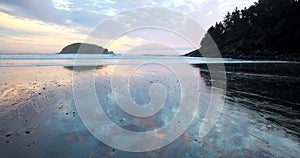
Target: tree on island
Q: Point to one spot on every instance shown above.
(269, 29)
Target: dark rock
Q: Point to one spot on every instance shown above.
(84, 48)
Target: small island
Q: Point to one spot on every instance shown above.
(84, 48)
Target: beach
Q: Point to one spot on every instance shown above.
(38, 116)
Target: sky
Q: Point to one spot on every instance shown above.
(46, 26)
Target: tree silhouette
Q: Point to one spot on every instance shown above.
(269, 29)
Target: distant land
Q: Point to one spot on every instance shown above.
(85, 48)
(267, 30)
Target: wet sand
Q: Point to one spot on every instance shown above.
(38, 116)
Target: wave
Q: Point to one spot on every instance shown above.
(19, 60)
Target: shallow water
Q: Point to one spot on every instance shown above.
(260, 116)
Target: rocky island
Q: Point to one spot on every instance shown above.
(84, 48)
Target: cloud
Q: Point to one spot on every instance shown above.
(125, 43)
(53, 23)
(35, 9)
(87, 13)
(62, 4)
(6, 8)
(28, 25)
(34, 35)
(63, 12)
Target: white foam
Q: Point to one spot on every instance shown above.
(17, 60)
